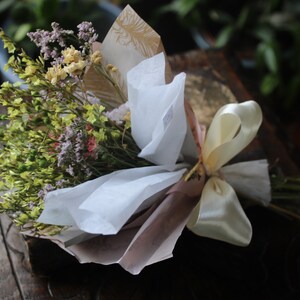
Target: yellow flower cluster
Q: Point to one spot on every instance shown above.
(74, 65)
(71, 55)
(55, 74)
(73, 61)
(111, 68)
(96, 57)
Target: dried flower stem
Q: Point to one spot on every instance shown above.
(102, 71)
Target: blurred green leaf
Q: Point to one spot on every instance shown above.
(263, 33)
(243, 17)
(260, 55)
(220, 17)
(267, 56)
(224, 36)
(269, 83)
(21, 32)
(185, 6)
(21, 12)
(5, 4)
(281, 19)
(271, 58)
(181, 7)
(47, 9)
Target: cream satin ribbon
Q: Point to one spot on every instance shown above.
(218, 214)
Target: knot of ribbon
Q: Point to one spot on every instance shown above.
(219, 214)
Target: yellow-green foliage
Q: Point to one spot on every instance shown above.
(40, 118)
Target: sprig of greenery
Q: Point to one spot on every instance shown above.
(285, 195)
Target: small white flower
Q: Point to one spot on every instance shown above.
(118, 114)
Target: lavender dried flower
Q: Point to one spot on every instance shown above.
(87, 34)
(48, 41)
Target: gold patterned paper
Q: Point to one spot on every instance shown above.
(129, 41)
(206, 96)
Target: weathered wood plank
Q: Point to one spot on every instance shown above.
(8, 284)
(30, 287)
(60, 285)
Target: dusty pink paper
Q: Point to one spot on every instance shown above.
(148, 239)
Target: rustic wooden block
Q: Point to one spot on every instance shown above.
(33, 268)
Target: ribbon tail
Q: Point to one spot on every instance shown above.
(219, 215)
(250, 180)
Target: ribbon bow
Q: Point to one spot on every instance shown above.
(218, 214)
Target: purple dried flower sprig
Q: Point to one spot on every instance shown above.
(51, 43)
(69, 55)
(86, 34)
